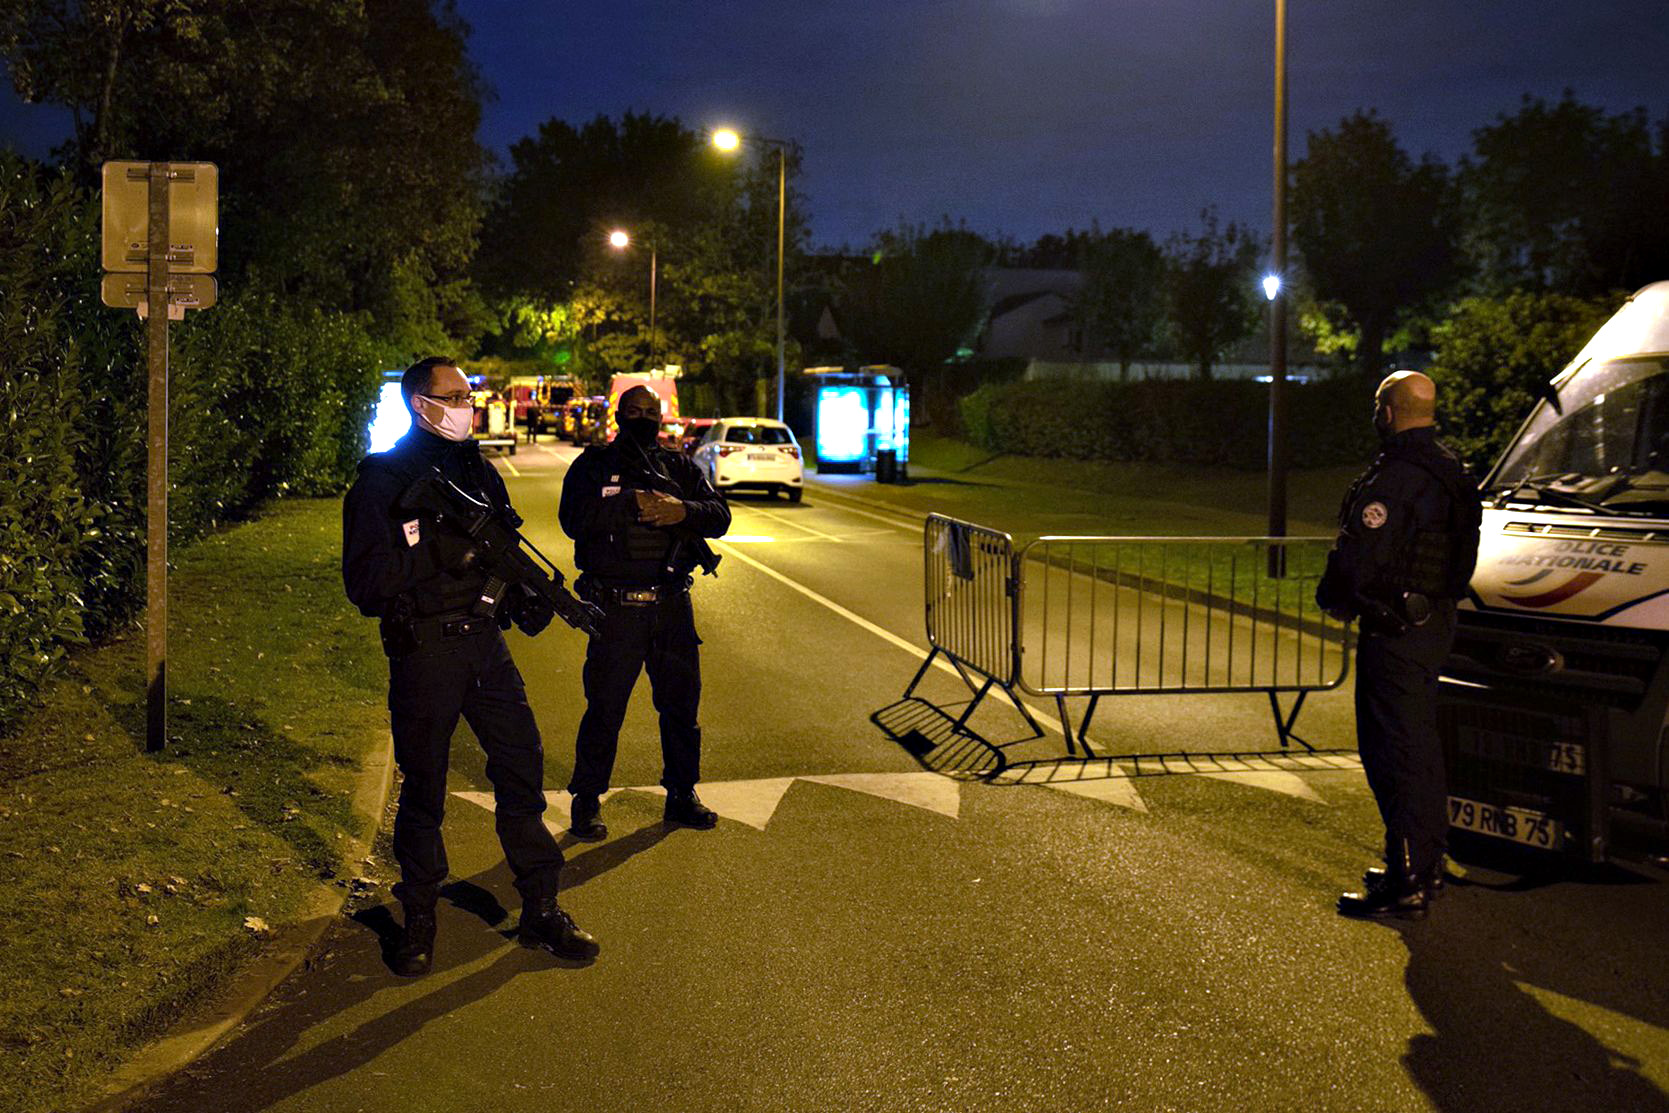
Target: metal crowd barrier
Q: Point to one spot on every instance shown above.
(1071, 617)
(1105, 616)
(973, 609)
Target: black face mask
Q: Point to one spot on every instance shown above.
(1380, 425)
(642, 430)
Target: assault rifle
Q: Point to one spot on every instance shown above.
(500, 550)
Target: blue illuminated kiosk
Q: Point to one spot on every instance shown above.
(863, 421)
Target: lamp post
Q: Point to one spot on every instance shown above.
(620, 240)
(1275, 289)
(728, 139)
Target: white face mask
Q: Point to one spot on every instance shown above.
(455, 423)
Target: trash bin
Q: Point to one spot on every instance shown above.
(886, 465)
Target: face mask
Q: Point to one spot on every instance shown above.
(1380, 424)
(455, 423)
(642, 430)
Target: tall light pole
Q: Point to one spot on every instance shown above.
(727, 139)
(1275, 289)
(620, 240)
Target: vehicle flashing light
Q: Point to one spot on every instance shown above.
(390, 420)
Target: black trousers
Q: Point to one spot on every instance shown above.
(427, 691)
(661, 638)
(1396, 732)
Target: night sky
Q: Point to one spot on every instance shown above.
(1028, 116)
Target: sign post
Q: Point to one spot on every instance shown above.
(151, 230)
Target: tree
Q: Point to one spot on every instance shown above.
(344, 131)
(1378, 232)
(1208, 283)
(920, 298)
(1493, 355)
(1122, 301)
(1566, 197)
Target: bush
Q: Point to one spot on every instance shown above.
(1492, 354)
(265, 399)
(1219, 423)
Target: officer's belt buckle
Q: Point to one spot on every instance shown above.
(641, 597)
(463, 627)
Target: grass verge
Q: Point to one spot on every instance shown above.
(132, 885)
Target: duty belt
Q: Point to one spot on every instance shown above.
(459, 625)
(634, 596)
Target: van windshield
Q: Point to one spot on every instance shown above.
(1610, 446)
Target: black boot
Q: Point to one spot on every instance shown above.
(584, 822)
(415, 952)
(1402, 895)
(685, 808)
(544, 924)
(1435, 878)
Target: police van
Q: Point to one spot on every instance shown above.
(1554, 706)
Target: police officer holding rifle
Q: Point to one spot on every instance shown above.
(640, 517)
(1408, 540)
(430, 549)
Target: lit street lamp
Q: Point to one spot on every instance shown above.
(620, 241)
(728, 139)
(1274, 291)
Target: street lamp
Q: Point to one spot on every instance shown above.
(728, 139)
(1274, 290)
(620, 240)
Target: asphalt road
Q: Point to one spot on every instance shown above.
(866, 930)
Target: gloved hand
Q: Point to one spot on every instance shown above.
(531, 612)
(454, 553)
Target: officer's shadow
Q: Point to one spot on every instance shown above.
(251, 1072)
(1494, 1045)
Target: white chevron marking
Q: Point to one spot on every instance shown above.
(750, 802)
(931, 791)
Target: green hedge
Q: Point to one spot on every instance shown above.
(265, 398)
(1221, 423)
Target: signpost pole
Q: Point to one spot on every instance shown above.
(1278, 432)
(156, 471)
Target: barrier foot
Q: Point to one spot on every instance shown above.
(968, 711)
(1025, 713)
(920, 673)
(1077, 738)
(1284, 723)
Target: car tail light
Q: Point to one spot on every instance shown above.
(792, 450)
(727, 449)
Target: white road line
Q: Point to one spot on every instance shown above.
(839, 503)
(857, 619)
(505, 460)
(791, 522)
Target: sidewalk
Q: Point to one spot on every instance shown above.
(152, 894)
(1029, 497)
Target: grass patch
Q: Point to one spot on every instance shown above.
(1127, 498)
(126, 878)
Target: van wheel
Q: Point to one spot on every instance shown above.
(794, 493)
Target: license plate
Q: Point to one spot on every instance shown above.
(1518, 825)
(765, 456)
(1567, 757)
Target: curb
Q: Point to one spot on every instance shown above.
(839, 495)
(207, 1025)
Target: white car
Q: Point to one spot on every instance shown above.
(752, 453)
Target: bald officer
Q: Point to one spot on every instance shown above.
(1408, 540)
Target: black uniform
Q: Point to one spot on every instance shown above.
(1408, 540)
(445, 659)
(640, 576)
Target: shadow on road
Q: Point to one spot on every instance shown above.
(1495, 1045)
(256, 1070)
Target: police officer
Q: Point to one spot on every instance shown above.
(1408, 540)
(446, 658)
(640, 516)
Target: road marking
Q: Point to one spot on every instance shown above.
(906, 524)
(754, 802)
(505, 460)
(932, 791)
(796, 525)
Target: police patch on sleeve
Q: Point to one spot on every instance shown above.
(1374, 515)
(413, 532)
